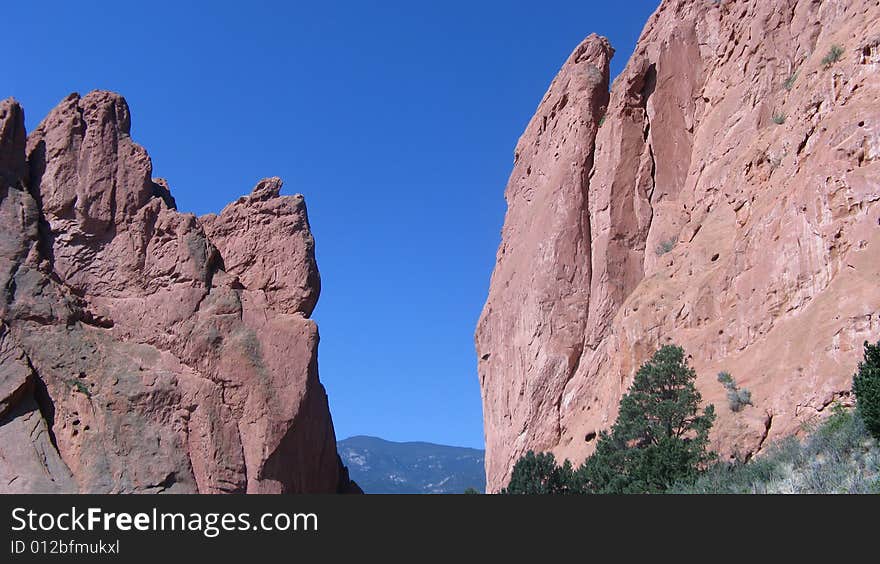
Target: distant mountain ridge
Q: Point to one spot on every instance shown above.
(380, 466)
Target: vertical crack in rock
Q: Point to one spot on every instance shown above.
(768, 423)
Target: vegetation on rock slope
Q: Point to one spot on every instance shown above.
(659, 442)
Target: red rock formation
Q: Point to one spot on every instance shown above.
(143, 349)
(726, 200)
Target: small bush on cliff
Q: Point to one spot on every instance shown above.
(737, 398)
(79, 387)
(539, 474)
(660, 437)
(866, 388)
(789, 82)
(664, 247)
(834, 54)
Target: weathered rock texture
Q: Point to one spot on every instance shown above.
(725, 197)
(143, 349)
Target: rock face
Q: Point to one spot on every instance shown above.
(143, 349)
(725, 197)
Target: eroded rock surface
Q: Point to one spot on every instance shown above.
(143, 349)
(723, 197)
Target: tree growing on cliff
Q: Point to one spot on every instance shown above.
(866, 388)
(737, 398)
(539, 474)
(660, 437)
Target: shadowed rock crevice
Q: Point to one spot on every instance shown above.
(44, 404)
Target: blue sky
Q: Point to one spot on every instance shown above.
(396, 119)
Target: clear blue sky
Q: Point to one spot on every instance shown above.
(396, 119)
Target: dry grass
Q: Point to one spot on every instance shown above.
(839, 456)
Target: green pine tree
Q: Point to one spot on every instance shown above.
(866, 388)
(660, 437)
(538, 474)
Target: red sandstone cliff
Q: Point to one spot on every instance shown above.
(143, 349)
(725, 196)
